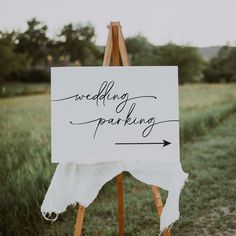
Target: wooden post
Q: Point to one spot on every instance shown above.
(116, 48)
(159, 205)
(115, 44)
(119, 179)
(79, 221)
(108, 49)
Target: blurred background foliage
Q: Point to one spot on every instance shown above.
(27, 56)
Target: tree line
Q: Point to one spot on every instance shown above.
(27, 56)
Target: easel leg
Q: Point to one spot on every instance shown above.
(159, 205)
(116, 62)
(120, 203)
(79, 221)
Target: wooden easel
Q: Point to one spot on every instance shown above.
(116, 48)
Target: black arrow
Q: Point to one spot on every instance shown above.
(165, 143)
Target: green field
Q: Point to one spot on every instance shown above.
(208, 154)
(19, 89)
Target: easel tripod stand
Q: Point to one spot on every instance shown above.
(116, 49)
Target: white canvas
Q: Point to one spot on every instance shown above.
(96, 96)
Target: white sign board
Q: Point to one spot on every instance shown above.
(106, 114)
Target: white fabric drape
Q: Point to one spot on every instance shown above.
(74, 183)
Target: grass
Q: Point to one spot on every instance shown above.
(203, 106)
(19, 89)
(207, 201)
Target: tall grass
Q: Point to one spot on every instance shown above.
(19, 89)
(25, 151)
(204, 106)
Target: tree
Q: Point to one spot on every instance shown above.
(11, 63)
(190, 63)
(77, 43)
(187, 58)
(222, 68)
(140, 50)
(33, 42)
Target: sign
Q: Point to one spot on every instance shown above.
(106, 114)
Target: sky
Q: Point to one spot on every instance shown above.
(196, 22)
